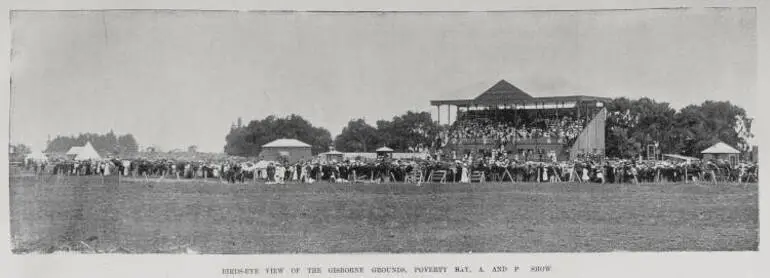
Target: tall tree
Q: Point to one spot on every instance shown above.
(408, 130)
(358, 136)
(248, 140)
(633, 124)
(699, 126)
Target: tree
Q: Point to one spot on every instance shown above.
(697, 127)
(20, 149)
(632, 125)
(408, 130)
(358, 136)
(18, 152)
(105, 144)
(248, 140)
(192, 149)
(127, 144)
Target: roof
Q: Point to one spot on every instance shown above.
(384, 149)
(720, 147)
(504, 93)
(682, 157)
(284, 142)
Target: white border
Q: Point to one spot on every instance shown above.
(703, 264)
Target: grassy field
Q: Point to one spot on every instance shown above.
(210, 217)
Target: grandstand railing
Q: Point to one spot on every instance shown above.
(497, 142)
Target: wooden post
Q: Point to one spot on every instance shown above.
(685, 175)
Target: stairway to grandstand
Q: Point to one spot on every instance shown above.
(416, 176)
(438, 176)
(477, 176)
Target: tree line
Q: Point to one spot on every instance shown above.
(632, 125)
(104, 144)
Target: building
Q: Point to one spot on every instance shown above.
(721, 151)
(505, 99)
(331, 155)
(286, 150)
(384, 152)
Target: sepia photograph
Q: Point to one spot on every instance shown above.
(319, 132)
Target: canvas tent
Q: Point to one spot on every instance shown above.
(74, 150)
(289, 150)
(86, 152)
(36, 156)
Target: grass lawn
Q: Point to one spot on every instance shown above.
(216, 218)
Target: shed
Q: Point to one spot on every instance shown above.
(286, 150)
(721, 151)
(331, 155)
(384, 152)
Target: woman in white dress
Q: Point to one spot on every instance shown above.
(464, 176)
(584, 178)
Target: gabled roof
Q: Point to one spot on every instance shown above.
(384, 149)
(720, 147)
(503, 91)
(285, 142)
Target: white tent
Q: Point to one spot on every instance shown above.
(284, 142)
(74, 150)
(87, 152)
(262, 164)
(37, 156)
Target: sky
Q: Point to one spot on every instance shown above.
(180, 78)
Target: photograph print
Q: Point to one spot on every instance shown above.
(260, 132)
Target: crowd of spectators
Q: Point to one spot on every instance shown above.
(474, 128)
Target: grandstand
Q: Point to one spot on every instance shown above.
(504, 120)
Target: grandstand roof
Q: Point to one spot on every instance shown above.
(720, 147)
(504, 93)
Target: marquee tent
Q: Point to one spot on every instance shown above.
(87, 152)
(37, 156)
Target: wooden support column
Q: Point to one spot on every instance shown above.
(448, 114)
